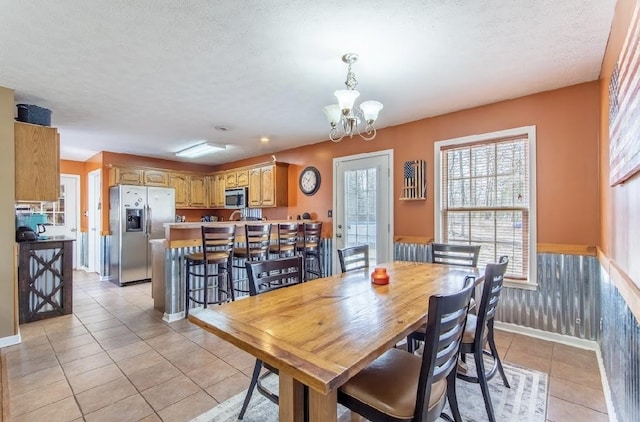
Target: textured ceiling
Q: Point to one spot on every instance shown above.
(150, 77)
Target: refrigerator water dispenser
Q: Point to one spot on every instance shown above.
(134, 220)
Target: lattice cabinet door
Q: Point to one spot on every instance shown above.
(45, 279)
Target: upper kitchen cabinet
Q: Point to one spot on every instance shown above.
(37, 152)
(216, 190)
(138, 176)
(155, 177)
(126, 176)
(268, 186)
(230, 180)
(242, 178)
(180, 182)
(198, 196)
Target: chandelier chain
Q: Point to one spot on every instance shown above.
(351, 81)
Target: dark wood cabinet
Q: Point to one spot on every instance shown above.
(45, 279)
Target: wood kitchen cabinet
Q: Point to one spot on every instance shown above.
(216, 190)
(37, 157)
(138, 176)
(153, 177)
(126, 176)
(198, 195)
(230, 180)
(242, 178)
(180, 182)
(268, 186)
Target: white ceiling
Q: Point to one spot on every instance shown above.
(150, 77)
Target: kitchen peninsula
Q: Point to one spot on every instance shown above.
(168, 270)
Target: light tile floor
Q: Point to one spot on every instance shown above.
(115, 359)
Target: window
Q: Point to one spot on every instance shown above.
(485, 196)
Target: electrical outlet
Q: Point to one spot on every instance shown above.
(330, 213)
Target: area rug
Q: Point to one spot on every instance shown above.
(525, 401)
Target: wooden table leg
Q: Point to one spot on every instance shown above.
(291, 407)
(323, 408)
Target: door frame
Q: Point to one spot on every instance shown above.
(77, 249)
(388, 153)
(94, 200)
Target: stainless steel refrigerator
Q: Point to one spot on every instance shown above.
(137, 215)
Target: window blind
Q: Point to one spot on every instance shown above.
(485, 200)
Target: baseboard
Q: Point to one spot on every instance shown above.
(10, 340)
(4, 390)
(545, 335)
(173, 317)
(569, 341)
(605, 388)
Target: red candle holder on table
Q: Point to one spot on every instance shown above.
(380, 276)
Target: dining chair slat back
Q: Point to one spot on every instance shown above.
(450, 254)
(353, 258)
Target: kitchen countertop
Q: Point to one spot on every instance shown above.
(198, 224)
(44, 239)
(181, 235)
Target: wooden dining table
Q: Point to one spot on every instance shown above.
(321, 333)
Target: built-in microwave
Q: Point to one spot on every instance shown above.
(235, 198)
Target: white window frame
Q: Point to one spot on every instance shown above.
(530, 132)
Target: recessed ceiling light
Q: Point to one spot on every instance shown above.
(222, 128)
(264, 139)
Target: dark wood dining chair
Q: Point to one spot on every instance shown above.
(257, 239)
(450, 254)
(479, 331)
(447, 254)
(400, 386)
(353, 258)
(287, 240)
(309, 247)
(217, 250)
(265, 276)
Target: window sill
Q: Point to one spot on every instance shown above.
(520, 285)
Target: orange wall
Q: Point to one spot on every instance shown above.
(619, 205)
(567, 122)
(567, 156)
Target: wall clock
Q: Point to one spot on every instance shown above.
(309, 180)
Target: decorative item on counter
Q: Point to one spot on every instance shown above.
(380, 276)
(208, 218)
(306, 216)
(181, 218)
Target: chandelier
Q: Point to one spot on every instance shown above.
(346, 118)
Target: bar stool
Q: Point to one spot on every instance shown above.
(309, 246)
(256, 247)
(287, 240)
(217, 249)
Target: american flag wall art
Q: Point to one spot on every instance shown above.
(414, 182)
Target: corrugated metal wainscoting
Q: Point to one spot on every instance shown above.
(620, 347)
(566, 301)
